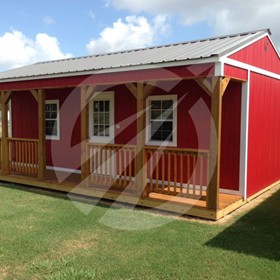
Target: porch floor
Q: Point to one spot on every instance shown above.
(71, 182)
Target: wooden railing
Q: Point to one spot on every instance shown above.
(112, 165)
(172, 171)
(23, 156)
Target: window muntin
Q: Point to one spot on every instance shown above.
(52, 119)
(162, 120)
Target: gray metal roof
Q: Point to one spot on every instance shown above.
(147, 57)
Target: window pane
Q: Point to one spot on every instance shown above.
(167, 126)
(101, 130)
(53, 115)
(156, 125)
(155, 114)
(48, 115)
(95, 130)
(107, 118)
(101, 118)
(167, 104)
(167, 136)
(51, 128)
(95, 106)
(107, 130)
(156, 104)
(95, 118)
(167, 115)
(155, 135)
(107, 106)
(101, 106)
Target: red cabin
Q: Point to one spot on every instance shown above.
(192, 128)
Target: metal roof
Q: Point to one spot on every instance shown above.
(145, 58)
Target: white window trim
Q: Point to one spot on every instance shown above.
(108, 95)
(49, 137)
(148, 124)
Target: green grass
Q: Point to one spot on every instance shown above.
(48, 237)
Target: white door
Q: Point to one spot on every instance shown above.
(102, 132)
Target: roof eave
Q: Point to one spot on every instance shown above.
(210, 59)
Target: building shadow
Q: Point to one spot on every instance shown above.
(257, 233)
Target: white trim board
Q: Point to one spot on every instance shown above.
(251, 68)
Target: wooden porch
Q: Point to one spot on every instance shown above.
(176, 179)
(184, 181)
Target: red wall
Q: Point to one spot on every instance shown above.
(24, 115)
(235, 72)
(66, 151)
(230, 143)
(60, 153)
(264, 133)
(193, 123)
(256, 55)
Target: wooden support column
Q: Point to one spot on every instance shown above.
(86, 93)
(5, 97)
(219, 85)
(141, 176)
(42, 134)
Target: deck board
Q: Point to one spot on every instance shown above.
(67, 182)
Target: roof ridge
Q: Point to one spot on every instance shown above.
(156, 47)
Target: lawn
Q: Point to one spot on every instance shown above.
(45, 236)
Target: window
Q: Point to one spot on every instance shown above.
(52, 119)
(101, 118)
(162, 120)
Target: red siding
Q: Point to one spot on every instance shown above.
(193, 123)
(264, 133)
(235, 72)
(230, 145)
(24, 115)
(66, 151)
(260, 54)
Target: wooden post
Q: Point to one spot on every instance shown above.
(42, 134)
(141, 177)
(215, 144)
(85, 163)
(5, 97)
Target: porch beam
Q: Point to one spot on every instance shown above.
(215, 144)
(132, 88)
(85, 163)
(34, 92)
(42, 134)
(5, 132)
(89, 92)
(141, 176)
(149, 88)
(225, 83)
(208, 85)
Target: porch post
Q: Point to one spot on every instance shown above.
(140, 167)
(85, 163)
(5, 97)
(42, 134)
(215, 144)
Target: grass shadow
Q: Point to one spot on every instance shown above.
(257, 233)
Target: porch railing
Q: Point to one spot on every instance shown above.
(172, 171)
(23, 156)
(112, 165)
